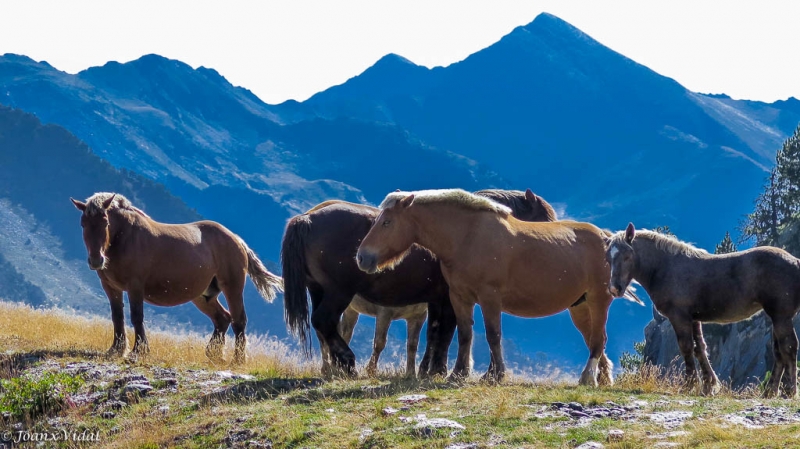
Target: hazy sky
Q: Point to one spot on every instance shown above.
(293, 49)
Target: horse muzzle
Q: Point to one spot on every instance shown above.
(96, 263)
(367, 262)
(615, 291)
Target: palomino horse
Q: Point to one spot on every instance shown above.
(690, 286)
(167, 265)
(490, 258)
(318, 255)
(414, 315)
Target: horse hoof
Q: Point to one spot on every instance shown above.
(115, 352)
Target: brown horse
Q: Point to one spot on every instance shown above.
(167, 265)
(690, 286)
(490, 258)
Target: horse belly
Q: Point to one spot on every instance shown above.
(177, 287)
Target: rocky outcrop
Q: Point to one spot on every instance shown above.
(740, 353)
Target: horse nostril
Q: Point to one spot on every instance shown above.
(360, 258)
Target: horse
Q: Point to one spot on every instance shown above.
(488, 257)
(318, 256)
(414, 315)
(168, 265)
(689, 286)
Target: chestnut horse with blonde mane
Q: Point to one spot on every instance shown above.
(168, 265)
(488, 257)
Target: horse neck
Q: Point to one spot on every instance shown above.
(650, 261)
(120, 223)
(442, 228)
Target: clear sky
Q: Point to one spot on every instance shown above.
(293, 49)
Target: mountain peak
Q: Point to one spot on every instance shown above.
(547, 25)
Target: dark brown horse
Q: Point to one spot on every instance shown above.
(690, 286)
(318, 255)
(167, 265)
(490, 258)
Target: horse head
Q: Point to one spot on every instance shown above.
(390, 238)
(96, 236)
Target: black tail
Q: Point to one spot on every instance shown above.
(295, 298)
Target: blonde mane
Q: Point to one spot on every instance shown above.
(668, 243)
(94, 204)
(457, 197)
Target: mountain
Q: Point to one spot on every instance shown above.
(550, 108)
(605, 139)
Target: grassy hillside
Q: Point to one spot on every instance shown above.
(55, 378)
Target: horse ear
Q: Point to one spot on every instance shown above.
(107, 203)
(397, 190)
(81, 206)
(630, 233)
(407, 201)
(530, 196)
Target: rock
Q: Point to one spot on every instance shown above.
(164, 409)
(462, 446)
(428, 426)
(108, 414)
(113, 405)
(575, 406)
(412, 398)
(558, 405)
(137, 389)
(615, 435)
(131, 378)
(740, 353)
(577, 414)
(670, 419)
(238, 436)
(590, 445)
(388, 411)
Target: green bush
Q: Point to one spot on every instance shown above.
(30, 397)
(632, 362)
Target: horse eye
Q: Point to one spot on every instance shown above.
(386, 223)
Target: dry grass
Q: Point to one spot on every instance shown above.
(652, 379)
(24, 329)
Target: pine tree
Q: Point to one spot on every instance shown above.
(726, 245)
(787, 162)
(770, 213)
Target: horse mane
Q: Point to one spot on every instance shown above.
(456, 197)
(94, 204)
(515, 199)
(668, 243)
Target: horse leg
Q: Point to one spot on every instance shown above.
(382, 323)
(136, 299)
(414, 327)
(598, 303)
(464, 311)
(348, 323)
(232, 287)
(325, 351)
(325, 320)
(710, 381)
(491, 311)
(441, 328)
(786, 339)
(684, 333)
(221, 319)
(582, 319)
(120, 344)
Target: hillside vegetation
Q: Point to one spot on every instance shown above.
(56, 378)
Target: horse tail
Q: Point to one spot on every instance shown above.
(293, 260)
(267, 284)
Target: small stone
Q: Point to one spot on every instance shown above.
(163, 409)
(108, 414)
(462, 446)
(426, 427)
(575, 406)
(590, 445)
(412, 398)
(577, 414)
(558, 405)
(137, 388)
(615, 435)
(329, 410)
(388, 411)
